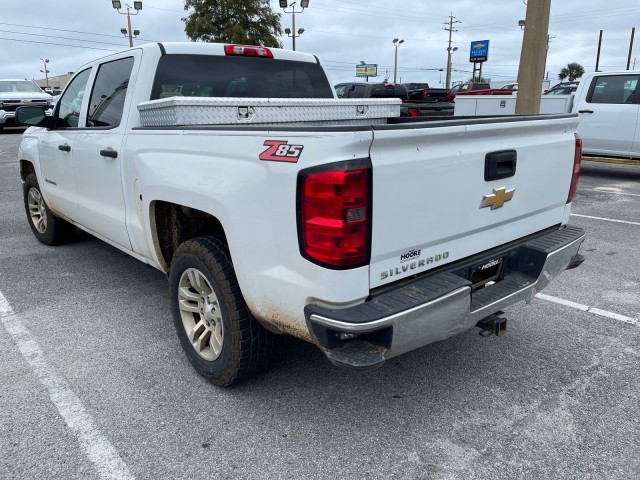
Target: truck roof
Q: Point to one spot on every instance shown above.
(203, 48)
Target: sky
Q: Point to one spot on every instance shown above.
(341, 32)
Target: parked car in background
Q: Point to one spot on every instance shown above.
(466, 87)
(566, 89)
(409, 108)
(512, 87)
(422, 92)
(17, 92)
(608, 104)
(478, 89)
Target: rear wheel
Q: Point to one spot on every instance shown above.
(221, 339)
(47, 228)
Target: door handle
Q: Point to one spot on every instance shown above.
(585, 111)
(64, 148)
(109, 152)
(501, 164)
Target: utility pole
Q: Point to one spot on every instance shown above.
(448, 26)
(546, 54)
(598, 54)
(633, 32)
(532, 57)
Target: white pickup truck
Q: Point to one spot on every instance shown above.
(608, 105)
(16, 92)
(274, 207)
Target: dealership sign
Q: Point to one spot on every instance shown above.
(479, 51)
(365, 70)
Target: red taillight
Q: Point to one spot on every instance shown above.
(248, 51)
(334, 217)
(425, 93)
(412, 112)
(576, 170)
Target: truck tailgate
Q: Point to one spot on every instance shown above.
(429, 187)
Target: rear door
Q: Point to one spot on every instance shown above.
(609, 114)
(436, 198)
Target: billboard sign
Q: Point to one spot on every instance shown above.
(479, 51)
(367, 70)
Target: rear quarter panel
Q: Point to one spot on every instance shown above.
(218, 171)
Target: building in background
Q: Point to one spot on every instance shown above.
(55, 83)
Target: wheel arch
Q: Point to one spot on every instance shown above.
(26, 168)
(173, 224)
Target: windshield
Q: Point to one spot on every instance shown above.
(9, 86)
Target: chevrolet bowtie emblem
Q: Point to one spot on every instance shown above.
(497, 198)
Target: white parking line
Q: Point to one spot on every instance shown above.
(94, 444)
(606, 219)
(615, 191)
(586, 308)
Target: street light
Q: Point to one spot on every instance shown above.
(396, 43)
(137, 6)
(291, 32)
(125, 32)
(449, 50)
(45, 71)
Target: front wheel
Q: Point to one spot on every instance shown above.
(46, 227)
(221, 339)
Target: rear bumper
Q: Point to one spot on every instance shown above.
(436, 306)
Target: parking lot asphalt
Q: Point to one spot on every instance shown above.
(93, 382)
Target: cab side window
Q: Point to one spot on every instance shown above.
(109, 91)
(613, 89)
(68, 111)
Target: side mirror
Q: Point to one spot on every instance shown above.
(32, 117)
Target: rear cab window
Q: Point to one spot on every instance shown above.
(183, 75)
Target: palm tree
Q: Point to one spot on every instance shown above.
(571, 71)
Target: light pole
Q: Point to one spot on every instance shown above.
(291, 32)
(45, 71)
(449, 50)
(396, 43)
(137, 6)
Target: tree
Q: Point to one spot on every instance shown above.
(571, 71)
(479, 80)
(248, 22)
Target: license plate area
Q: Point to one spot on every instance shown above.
(486, 274)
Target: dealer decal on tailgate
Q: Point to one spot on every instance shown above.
(281, 151)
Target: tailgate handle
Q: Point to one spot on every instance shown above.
(500, 164)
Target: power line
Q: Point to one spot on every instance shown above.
(61, 38)
(60, 44)
(58, 29)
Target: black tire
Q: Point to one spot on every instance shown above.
(46, 227)
(246, 347)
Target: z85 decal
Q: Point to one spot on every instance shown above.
(281, 151)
